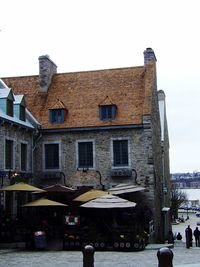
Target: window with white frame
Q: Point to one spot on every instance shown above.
(85, 153)
(120, 152)
(9, 154)
(51, 159)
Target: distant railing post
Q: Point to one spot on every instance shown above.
(165, 257)
(88, 256)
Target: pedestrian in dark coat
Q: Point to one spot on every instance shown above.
(196, 236)
(188, 236)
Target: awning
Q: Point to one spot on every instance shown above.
(21, 187)
(43, 202)
(109, 202)
(125, 188)
(92, 194)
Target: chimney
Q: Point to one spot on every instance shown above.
(149, 56)
(161, 95)
(47, 68)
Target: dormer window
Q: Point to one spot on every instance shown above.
(57, 115)
(57, 112)
(9, 108)
(22, 113)
(107, 112)
(20, 107)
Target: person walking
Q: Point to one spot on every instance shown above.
(196, 234)
(188, 236)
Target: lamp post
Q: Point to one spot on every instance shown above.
(187, 212)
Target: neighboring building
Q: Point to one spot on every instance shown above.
(166, 181)
(186, 180)
(17, 129)
(102, 129)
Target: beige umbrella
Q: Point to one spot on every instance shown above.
(125, 188)
(43, 202)
(92, 194)
(109, 202)
(21, 187)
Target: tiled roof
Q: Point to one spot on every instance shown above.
(58, 105)
(130, 89)
(107, 101)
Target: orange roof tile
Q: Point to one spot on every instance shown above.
(106, 102)
(58, 105)
(130, 89)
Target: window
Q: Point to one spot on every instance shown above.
(120, 152)
(9, 110)
(51, 156)
(9, 154)
(22, 113)
(107, 112)
(57, 115)
(23, 157)
(85, 154)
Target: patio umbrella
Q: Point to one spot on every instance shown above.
(58, 188)
(92, 194)
(43, 202)
(125, 188)
(21, 187)
(109, 202)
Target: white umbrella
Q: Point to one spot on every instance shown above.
(109, 202)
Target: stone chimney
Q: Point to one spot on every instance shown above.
(47, 68)
(161, 95)
(149, 56)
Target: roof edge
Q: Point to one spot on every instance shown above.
(100, 128)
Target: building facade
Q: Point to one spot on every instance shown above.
(101, 129)
(17, 130)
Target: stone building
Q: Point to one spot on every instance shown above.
(17, 130)
(102, 129)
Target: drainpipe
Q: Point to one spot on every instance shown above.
(100, 181)
(62, 173)
(33, 149)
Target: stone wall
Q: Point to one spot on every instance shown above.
(18, 135)
(139, 142)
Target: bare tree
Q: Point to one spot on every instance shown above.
(178, 197)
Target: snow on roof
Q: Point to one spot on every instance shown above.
(2, 85)
(4, 92)
(18, 99)
(14, 119)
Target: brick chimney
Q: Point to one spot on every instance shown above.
(149, 56)
(47, 68)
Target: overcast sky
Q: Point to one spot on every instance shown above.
(81, 35)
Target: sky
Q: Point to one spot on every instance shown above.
(82, 35)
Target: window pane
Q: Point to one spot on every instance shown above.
(9, 154)
(85, 150)
(120, 152)
(57, 115)
(23, 157)
(22, 115)
(9, 107)
(107, 112)
(51, 156)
